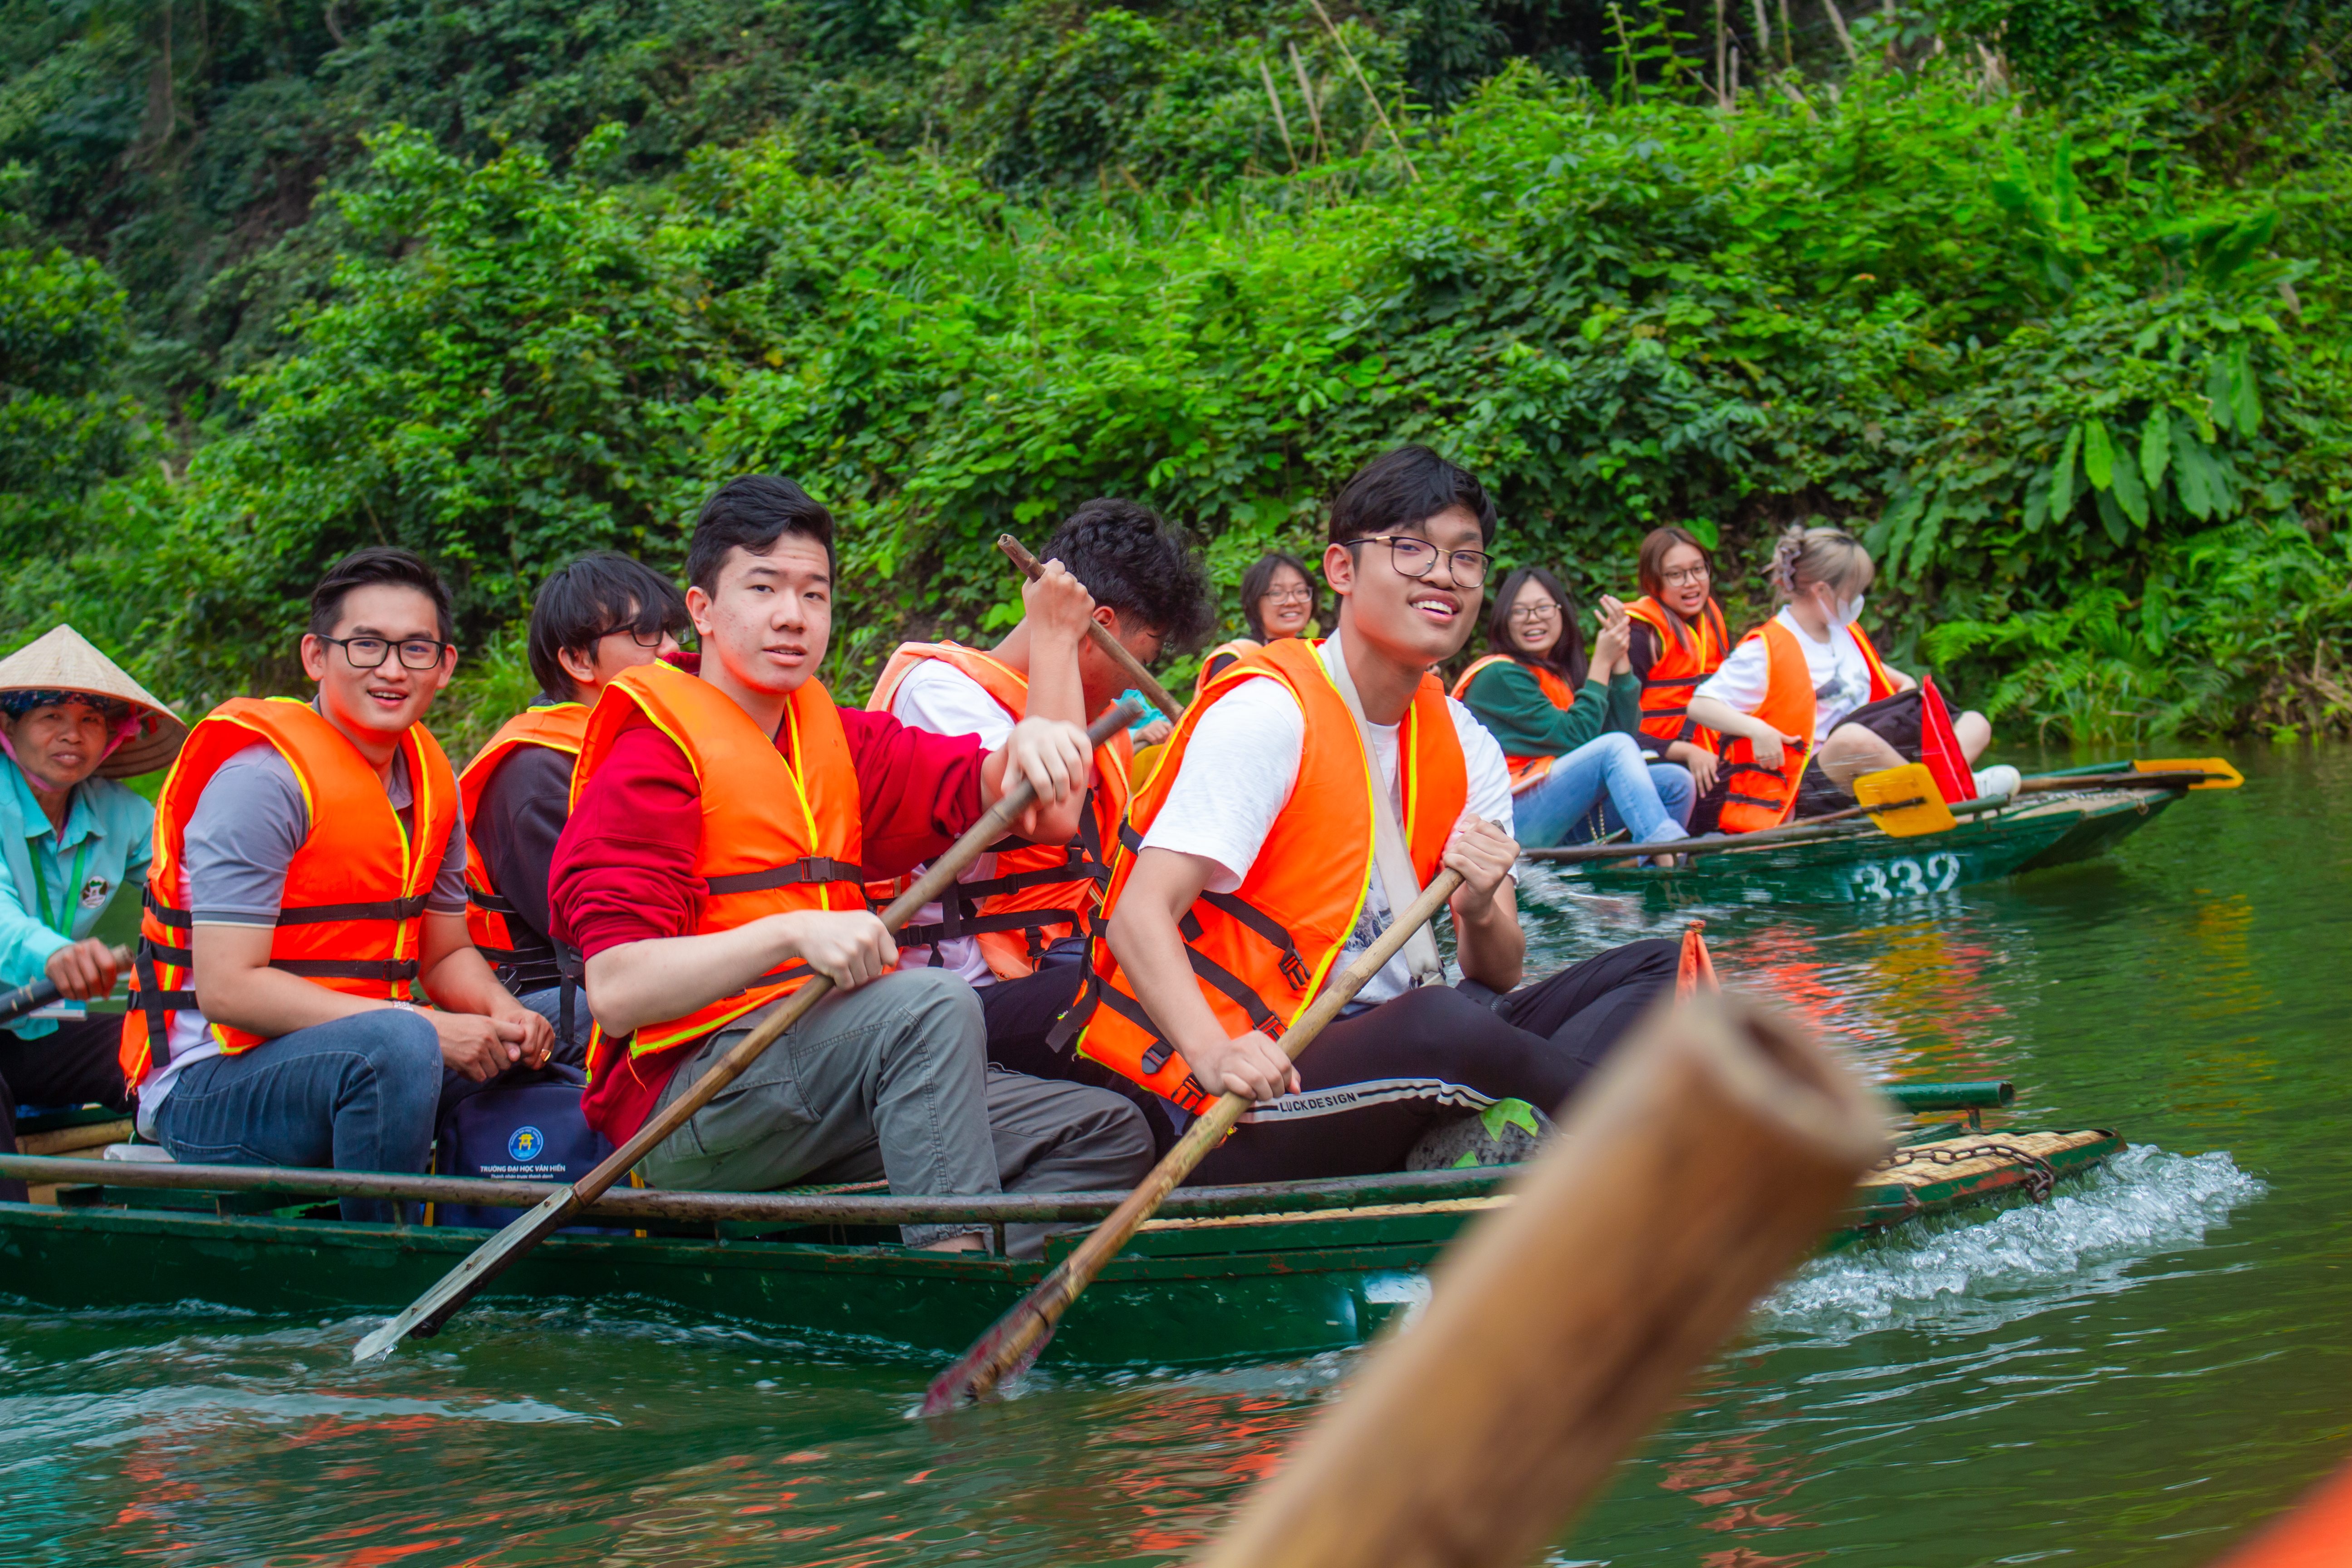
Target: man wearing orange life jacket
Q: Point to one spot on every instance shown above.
(1018, 926)
(310, 864)
(597, 616)
(1805, 705)
(1679, 640)
(723, 823)
(1299, 797)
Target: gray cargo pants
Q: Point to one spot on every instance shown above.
(891, 1080)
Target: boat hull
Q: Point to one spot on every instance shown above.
(1865, 866)
(1214, 1290)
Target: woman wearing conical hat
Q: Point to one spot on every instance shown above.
(71, 840)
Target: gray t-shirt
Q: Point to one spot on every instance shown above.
(239, 843)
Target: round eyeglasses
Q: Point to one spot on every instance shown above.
(1418, 558)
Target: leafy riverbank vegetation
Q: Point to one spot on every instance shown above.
(2047, 299)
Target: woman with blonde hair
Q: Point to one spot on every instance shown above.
(1804, 704)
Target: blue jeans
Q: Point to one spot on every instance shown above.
(1605, 773)
(358, 1094)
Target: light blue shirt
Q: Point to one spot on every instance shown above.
(57, 885)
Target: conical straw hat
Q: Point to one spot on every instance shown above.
(62, 660)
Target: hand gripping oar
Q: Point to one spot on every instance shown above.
(15, 1004)
(1013, 1341)
(424, 1316)
(1132, 667)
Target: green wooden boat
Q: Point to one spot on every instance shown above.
(1227, 1275)
(1855, 862)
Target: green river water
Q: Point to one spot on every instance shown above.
(2131, 1374)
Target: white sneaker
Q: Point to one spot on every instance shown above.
(2000, 782)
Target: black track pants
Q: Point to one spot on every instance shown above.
(1372, 1084)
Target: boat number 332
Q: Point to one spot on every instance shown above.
(1905, 878)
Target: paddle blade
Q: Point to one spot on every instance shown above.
(1010, 1347)
(1904, 802)
(2230, 778)
(424, 1316)
(1697, 973)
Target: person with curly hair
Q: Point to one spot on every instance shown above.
(1017, 925)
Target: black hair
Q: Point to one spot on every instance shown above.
(1259, 578)
(1566, 658)
(1128, 559)
(590, 596)
(365, 569)
(1405, 489)
(751, 514)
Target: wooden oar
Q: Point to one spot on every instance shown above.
(1703, 1161)
(1014, 1340)
(15, 1004)
(2170, 778)
(1130, 666)
(424, 1316)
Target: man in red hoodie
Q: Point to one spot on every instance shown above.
(722, 825)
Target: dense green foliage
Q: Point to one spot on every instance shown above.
(2048, 300)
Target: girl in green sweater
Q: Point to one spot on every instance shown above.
(1570, 728)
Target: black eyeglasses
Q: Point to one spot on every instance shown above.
(643, 639)
(369, 653)
(1418, 558)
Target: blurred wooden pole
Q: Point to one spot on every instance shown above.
(1703, 1161)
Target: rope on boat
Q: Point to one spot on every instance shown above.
(2042, 1178)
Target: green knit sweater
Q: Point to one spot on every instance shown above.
(1507, 699)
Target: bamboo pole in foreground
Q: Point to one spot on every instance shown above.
(1702, 1162)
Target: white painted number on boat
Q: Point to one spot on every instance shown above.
(1905, 877)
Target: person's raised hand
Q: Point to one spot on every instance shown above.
(848, 947)
(1703, 763)
(1484, 854)
(479, 1048)
(1249, 1065)
(1051, 755)
(1611, 649)
(1152, 735)
(1057, 606)
(83, 971)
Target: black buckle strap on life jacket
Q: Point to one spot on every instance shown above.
(178, 920)
(489, 903)
(807, 869)
(1294, 967)
(391, 970)
(1156, 1055)
(150, 999)
(571, 969)
(407, 909)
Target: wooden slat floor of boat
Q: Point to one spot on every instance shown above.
(1924, 1172)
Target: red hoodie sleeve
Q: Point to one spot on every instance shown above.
(624, 868)
(919, 791)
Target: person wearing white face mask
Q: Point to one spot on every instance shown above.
(1805, 705)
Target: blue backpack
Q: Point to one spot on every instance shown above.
(519, 1126)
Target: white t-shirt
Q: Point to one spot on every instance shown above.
(1840, 675)
(1239, 771)
(937, 696)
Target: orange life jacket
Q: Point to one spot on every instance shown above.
(1040, 893)
(353, 915)
(1239, 647)
(777, 836)
(1525, 772)
(1757, 797)
(1263, 951)
(1688, 654)
(558, 727)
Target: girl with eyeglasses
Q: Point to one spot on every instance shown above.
(1569, 727)
(1278, 601)
(1679, 640)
